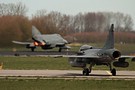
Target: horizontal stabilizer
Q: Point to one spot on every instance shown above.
(127, 56)
(23, 43)
(81, 56)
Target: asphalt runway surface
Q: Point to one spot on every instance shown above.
(36, 53)
(96, 74)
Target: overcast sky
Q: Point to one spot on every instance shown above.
(73, 7)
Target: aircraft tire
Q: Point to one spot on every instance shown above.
(113, 72)
(86, 72)
(32, 49)
(60, 49)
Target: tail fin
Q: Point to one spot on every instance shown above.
(35, 31)
(110, 39)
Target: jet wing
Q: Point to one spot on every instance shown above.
(87, 56)
(81, 56)
(127, 56)
(23, 43)
(61, 43)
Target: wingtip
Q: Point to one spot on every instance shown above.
(13, 41)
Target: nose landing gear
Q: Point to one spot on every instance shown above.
(86, 72)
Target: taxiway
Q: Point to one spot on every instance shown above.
(96, 74)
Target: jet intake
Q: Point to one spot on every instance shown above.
(116, 54)
(120, 64)
(85, 47)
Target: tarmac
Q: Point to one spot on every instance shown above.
(96, 74)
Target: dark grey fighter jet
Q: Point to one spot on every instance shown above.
(103, 56)
(47, 41)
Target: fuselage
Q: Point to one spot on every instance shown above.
(94, 56)
(50, 40)
(96, 52)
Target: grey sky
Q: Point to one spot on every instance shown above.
(75, 6)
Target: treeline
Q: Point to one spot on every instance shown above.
(16, 25)
(96, 37)
(87, 22)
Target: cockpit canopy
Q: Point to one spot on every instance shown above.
(85, 47)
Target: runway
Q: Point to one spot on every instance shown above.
(96, 74)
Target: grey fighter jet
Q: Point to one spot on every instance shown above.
(99, 56)
(47, 41)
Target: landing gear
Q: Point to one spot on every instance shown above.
(32, 49)
(86, 72)
(60, 49)
(113, 71)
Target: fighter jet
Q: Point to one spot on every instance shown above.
(47, 41)
(107, 55)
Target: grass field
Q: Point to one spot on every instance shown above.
(62, 84)
(124, 48)
(28, 63)
(34, 63)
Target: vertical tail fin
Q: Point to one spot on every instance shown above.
(35, 31)
(110, 39)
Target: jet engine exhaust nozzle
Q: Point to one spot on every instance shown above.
(116, 54)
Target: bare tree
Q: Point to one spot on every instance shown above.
(13, 9)
(128, 22)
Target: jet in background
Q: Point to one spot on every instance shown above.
(47, 41)
(99, 56)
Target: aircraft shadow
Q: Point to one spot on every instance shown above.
(73, 74)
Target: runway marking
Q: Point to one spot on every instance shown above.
(109, 72)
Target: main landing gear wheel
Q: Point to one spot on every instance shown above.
(32, 49)
(113, 71)
(86, 72)
(60, 49)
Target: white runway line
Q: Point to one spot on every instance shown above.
(109, 72)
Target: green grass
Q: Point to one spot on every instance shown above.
(61, 84)
(124, 48)
(36, 63)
